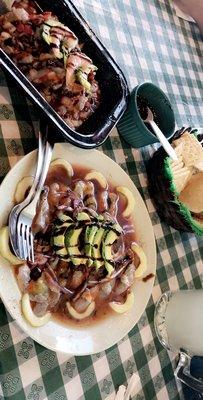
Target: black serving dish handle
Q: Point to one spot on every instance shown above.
(114, 88)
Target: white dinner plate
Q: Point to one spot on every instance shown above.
(99, 336)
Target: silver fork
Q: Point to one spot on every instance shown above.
(25, 238)
(13, 217)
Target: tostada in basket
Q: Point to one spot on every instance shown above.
(176, 187)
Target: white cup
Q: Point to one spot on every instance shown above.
(179, 326)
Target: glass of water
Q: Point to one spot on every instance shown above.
(179, 326)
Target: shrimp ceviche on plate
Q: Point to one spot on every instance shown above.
(86, 256)
(50, 56)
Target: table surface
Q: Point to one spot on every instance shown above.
(150, 43)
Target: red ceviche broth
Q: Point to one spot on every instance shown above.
(50, 56)
(86, 258)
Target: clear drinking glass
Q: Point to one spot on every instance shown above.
(179, 326)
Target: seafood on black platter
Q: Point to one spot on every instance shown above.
(51, 57)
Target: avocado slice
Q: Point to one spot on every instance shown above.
(109, 267)
(64, 217)
(107, 243)
(89, 239)
(117, 228)
(88, 250)
(72, 237)
(61, 227)
(74, 251)
(110, 237)
(106, 252)
(100, 218)
(58, 238)
(98, 264)
(82, 78)
(83, 216)
(62, 252)
(66, 225)
(49, 39)
(45, 34)
(72, 246)
(96, 253)
(61, 44)
(52, 22)
(99, 237)
(79, 261)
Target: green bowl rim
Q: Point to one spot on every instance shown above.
(133, 96)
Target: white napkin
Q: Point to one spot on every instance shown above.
(181, 14)
(120, 393)
(124, 392)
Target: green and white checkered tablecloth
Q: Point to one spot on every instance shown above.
(150, 43)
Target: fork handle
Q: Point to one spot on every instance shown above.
(40, 158)
(45, 166)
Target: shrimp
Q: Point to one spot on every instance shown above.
(126, 280)
(54, 298)
(73, 123)
(74, 63)
(20, 14)
(23, 3)
(42, 217)
(113, 204)
(40, 309)
(54, 195)
(106, 288)
(89, 197)
(103, 201)
(23, 277)
(25, 58)
(87, 297)
(5, 36)
(81, 304)
(77, 279)
(79, 189)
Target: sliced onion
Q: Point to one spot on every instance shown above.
(128, 229)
